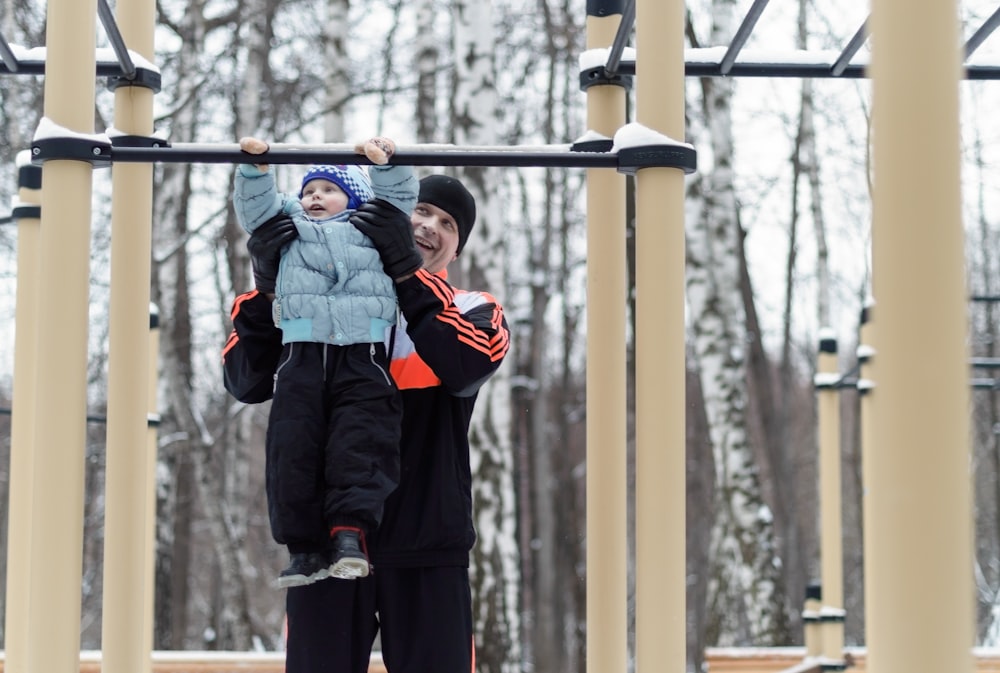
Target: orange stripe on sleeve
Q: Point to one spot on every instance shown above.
(239, 300)
(230, 342)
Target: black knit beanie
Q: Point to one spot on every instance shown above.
(450, 195)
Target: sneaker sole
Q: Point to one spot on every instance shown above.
(301, 580)
(349, 569)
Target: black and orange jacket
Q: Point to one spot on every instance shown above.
(448, 343)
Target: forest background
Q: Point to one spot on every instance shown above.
(778, 221)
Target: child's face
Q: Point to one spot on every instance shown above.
(322, 198)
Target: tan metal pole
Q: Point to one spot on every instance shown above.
(866, 390)
(660, 371)
(125, 518)
(831, 563)
(149, 558)
(23, 420)
(607, 496)
(812, 635)
(61, 395)
(921, 541)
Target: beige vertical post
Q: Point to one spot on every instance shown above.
(607, 497)
(125, 522)
(866, 391)
(149, 559)
(27, 311)
(812, 634)
(61, 395)
(831, 563)
(921, 538)
(660, 372)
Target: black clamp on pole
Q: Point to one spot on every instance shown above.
(592, 145)
(29, 176)
(666, 155)
(26, 211)
(143, 77)
(92, 150)
(599, 76)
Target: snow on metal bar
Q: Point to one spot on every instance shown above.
(742, 35)
(421, 155)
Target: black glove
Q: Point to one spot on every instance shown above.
(264, 246)
(391, 232)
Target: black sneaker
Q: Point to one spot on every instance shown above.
(348, 560)
(304, 568)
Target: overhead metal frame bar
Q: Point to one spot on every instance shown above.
(727, 67)
(842, 68)
(982, 33)
(844, 60)
(621, 38)
(742, 35)
(125, 66)
(7, 55)
(115, 37)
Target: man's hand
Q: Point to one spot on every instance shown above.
(264, 246)
(391, 232)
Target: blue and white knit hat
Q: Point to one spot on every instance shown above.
(352, 179)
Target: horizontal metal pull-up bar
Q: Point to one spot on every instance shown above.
(277, 154)
(151, 150)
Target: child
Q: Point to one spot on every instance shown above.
(333, 433)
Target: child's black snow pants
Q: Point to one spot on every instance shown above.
(332, 441)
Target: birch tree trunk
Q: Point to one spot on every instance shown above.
(495, 558)
(428, 54)
(745, 592)
(196, 474)
(336, 78)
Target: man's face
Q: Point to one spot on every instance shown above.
(436, 233)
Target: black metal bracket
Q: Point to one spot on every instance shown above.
(29, 176)
(599, 76)
(633, 159)
(142, 77)
(595, 145)
(26, 212)
(93, 151)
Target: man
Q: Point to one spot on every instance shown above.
(447, 344)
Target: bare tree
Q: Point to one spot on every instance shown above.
(986, 438)
(745, 585)
(495, 572)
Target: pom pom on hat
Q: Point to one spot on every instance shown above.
(450, 195)
(352, 179)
